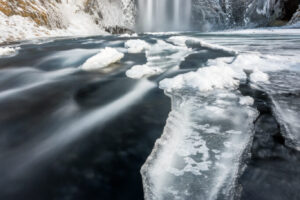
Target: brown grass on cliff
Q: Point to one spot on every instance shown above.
(34, 9)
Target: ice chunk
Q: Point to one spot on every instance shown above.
(7, 51)
(259, 76)
(205, 79)
(140, 71)
(284, 90)
(136, 46)
(201, 151)
(246, 101)
(103, 59)
(161, 56)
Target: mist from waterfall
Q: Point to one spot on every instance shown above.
(204, 15)
(164, 15)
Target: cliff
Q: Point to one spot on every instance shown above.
(26, 19)
(296, 17)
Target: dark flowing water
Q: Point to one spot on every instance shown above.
(72, 134)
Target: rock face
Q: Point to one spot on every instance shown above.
(214, 14)
(38, 11)
(296, 17)
(26, 19)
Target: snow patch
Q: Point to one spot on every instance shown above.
(201, 150)
(103, 59)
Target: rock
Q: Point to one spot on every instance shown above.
(28, 19)
(118, 30)
(296, 17)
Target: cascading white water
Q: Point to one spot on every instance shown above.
(164, 15)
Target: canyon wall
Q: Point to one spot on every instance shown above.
(26, 19)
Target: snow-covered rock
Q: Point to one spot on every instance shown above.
(27, 19)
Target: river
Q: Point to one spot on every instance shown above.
(225, 106)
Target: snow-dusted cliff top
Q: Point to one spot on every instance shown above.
(27, 19)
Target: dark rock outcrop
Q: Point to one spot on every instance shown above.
(118, 30)
(296, 17)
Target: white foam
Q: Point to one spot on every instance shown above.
(136, 46)
(103, 59)
(140, 71)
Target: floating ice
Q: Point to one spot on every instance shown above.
(136, 46)
(140, 71)
(161, 56)
(103, 59)
(257, 63)
(182, 40)
(205, 79)
(284, 89)
(201, 151)
(259, 76)
(7, 51)
(246, 101)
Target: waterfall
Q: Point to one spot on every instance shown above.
(181, 15)
(164, 15)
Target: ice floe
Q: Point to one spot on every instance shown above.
(205, 79)
(136, 46)
(201, 152)
(7, 51)
(103, 59)
(202, 149)
(183, 40)
(140, 71)
(161, 56)
(246, 101)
